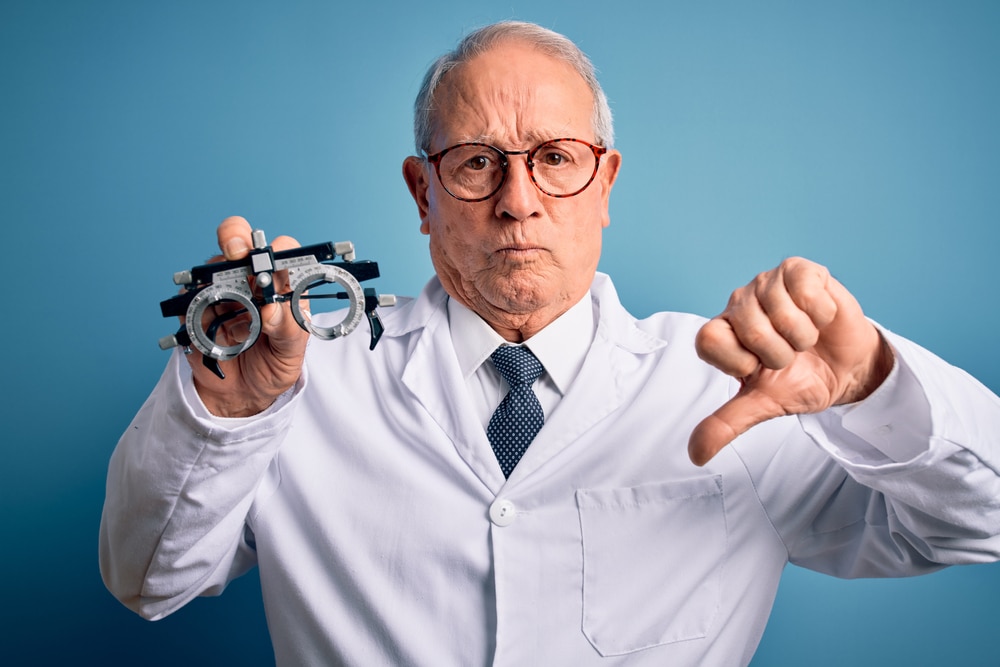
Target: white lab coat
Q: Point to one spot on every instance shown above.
(385, 533)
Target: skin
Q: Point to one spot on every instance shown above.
(794, 336)
(521, 258)
(257, 377)
(798, 341)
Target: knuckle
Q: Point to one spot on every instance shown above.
(741, 294)
(785, 323)
(794, 264)
(745, 366)
(812, 298)
(712, 335)
(717, 344)
(755, 336)
(794, 327)
(776, 359)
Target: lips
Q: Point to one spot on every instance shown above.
(519, 252)
(518, 247)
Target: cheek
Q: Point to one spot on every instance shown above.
(584, 228)
(451, 244)
(460, 231)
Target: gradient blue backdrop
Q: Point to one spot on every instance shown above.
(861, 134)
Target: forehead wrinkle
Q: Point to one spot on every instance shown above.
(526, 139)
(500, 132)
(501, 108)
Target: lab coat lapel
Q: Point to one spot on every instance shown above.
(599, 388)
(596, 393)
(433, 376)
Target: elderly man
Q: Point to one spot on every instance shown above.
(405, 520)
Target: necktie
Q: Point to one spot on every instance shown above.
(519, 416)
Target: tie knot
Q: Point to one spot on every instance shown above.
(517, 364)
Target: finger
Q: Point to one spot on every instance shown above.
(280, 244)
(284, 337)
(716, 343)
(786, 317)
(742, 412)
(234, 236)
(233, 328)
(276, 322)
(808, 285)
(755, 331)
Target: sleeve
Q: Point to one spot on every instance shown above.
(180, 484)
(906, 481)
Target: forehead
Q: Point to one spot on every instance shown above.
(513, 95)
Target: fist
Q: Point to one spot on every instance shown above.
(799, 343)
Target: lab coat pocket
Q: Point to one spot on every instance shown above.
(652, 562)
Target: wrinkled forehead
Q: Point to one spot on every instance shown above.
(515, 95)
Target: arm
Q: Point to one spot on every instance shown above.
(799, 343)
(184, 474)
(927, 443)
(257, 377)
(909, 480)
(178, 492)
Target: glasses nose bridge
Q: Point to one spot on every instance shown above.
(507, 165)
(526, 153)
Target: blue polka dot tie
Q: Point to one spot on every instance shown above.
(519, 416)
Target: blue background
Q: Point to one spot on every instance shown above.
(861, 134)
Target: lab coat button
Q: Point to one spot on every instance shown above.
(503, 513)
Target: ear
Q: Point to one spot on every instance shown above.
(610, 165)
(415, 173)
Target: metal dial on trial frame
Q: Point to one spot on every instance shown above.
(312, 275)
(238, 290)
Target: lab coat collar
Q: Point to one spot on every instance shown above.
(619, 325)
(410, 315)
(434, 377)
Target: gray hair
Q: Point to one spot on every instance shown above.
(482, 40)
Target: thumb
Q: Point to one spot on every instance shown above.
(743, 411)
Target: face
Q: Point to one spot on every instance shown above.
(520, 258)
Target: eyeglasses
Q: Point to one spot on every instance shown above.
(474, 171)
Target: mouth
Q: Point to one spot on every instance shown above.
(519, 252)
(518, 248)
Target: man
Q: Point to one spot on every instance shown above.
(392, 521)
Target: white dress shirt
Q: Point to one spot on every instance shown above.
(560, 347)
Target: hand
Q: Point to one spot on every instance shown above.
(799, 343)
(259, 375)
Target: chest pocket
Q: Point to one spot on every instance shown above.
(653, 557)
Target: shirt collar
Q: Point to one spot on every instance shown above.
(561, 346)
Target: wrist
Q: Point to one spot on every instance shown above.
(876, 373)
(233, 405)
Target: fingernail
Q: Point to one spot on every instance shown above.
(235, 248)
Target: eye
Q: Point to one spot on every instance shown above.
(550, 157)
(477, 162)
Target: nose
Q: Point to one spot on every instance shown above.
(518, 198)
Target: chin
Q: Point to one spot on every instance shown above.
(523, 297)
